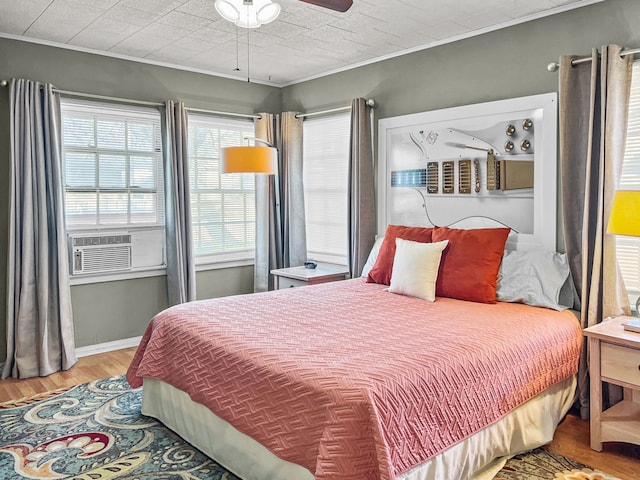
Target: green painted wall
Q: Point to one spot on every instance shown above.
(502, 64)
(110, 311)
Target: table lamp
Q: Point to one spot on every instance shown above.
(625, 217)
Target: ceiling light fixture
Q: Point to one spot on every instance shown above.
(248, 13)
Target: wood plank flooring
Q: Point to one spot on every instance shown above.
(571, 438)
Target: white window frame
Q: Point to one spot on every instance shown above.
(246, 129)
(95, 109)
(325, 145)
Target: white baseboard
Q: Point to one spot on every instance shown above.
(102, 347)
(107, 346)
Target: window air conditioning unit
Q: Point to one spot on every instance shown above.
(99, 253)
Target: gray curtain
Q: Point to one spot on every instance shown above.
(181, 274)
(268, 222)
(594, 104)
(40, 336)
(291, 185)
(280, 226)
(362, 213)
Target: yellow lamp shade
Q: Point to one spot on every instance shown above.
(625, 213)
(249, 159)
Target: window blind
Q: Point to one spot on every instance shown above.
(628, 248)
(222, 205)
(112, 162)
(325, 177)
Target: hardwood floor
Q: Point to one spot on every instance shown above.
(87, 369)
(571, 438)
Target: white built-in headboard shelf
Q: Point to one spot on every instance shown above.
(476, 166)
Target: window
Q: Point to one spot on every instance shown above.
(222, 205)
(114, 189)
(628, 248)
(325, 167)
(112, 165)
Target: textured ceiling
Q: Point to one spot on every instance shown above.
(304, 42)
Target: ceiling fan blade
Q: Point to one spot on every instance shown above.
(338, 5)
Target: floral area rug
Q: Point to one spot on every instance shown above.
(95, 431)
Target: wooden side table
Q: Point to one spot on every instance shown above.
(614, 357)
(300, 276)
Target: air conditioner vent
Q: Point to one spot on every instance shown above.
(100, 253)
(101, 240)
(106, 259)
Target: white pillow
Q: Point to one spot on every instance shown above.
(538, 278)
(415, 268)
(373, 256)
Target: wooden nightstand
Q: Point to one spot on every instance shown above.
(614, 357)
(300, 276)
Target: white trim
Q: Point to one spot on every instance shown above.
(120, 56)
(108, 346)
(242, 262)
(116, 276)
(517, 21)
(156, 272)
(102, 347)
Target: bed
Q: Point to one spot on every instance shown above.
(347, 380)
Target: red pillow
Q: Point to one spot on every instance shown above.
(470, 263)
(381, 271)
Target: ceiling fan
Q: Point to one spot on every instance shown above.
(337, 5)
(253, 13)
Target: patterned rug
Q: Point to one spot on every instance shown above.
(95, 431)
(541, 464)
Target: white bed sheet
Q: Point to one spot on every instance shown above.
(478, 457)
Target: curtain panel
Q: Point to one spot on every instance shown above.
(294, 230)
(362, 213)
(40, 334)
(594, 104)
(280, 225)
(268, 221)
(181, 271)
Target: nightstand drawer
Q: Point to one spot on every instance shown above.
(620, 363)
(284, 282)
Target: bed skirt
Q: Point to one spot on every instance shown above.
(478, 457)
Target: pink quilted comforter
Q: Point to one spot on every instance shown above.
(352, 382)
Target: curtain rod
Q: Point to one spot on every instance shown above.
(228, 114)
(371, 102)
(553, 66)
(4, 83)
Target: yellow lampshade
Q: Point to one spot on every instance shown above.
(249, 159)
(625, 213)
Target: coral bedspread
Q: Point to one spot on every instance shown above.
(352, 382)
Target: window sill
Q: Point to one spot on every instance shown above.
(216, 265)
(154, 272)
(117, 276)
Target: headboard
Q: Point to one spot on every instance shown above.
(482, 165)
